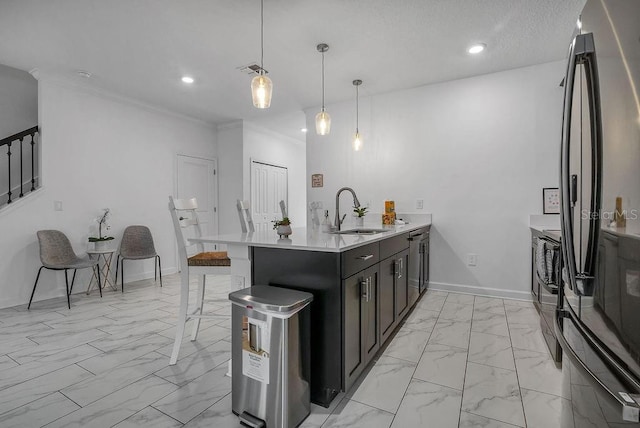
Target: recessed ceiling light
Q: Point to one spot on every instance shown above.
(187, 79)
(303, 130)
(84, 74)
(476, 49)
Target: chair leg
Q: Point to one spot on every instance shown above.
(155, 268)
(117, 266)
(66, 281)
(182, 316)
(34, 287)
(73, 280)
(160, 270)
(122, 274)
(200, 302)
(97, 267)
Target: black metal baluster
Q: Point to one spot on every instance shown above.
(33, 179)
(9, 161)
(21, 179)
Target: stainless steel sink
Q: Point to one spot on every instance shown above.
(360, 231)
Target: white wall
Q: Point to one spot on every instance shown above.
(97, 151)
(266, 146)
(240, 142)
(230, 175)
(478, 151)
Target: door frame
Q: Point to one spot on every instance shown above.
(251, 161)
(215, 196)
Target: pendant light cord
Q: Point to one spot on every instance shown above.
(261, 36)
(357, 107)
(323, 81)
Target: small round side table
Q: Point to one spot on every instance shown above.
(106, 256)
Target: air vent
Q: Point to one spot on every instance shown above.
(252, 69)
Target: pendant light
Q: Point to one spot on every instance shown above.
(323, 120)
(261, 86)
(357, 138)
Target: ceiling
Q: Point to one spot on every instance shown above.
(141, 48)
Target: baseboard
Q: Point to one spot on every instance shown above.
(481, 291)
(141, 275)
(80, 288)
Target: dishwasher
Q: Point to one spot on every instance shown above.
(418, 263)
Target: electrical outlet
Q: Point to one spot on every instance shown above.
(472, 259)
(57, 205)
(419, 204)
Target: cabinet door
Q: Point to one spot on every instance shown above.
(354, 288)
(370, 314)
(401, 284)
(387, 297)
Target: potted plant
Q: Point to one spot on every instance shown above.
(359, 213)
(282, 227)
(100, 242)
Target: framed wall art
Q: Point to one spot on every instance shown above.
(550, 200)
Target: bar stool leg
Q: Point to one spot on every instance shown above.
(200, 302)
(182, 316)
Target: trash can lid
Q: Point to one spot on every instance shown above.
(266, 298)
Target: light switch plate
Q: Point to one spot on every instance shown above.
(57, 205)
(419, 204)
(472, 259)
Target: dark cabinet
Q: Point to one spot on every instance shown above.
(360, 296)
(401, 284)
(607, 294)
(394, 292)
(361, 322)
(387, 297)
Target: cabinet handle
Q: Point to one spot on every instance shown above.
(364, 289)
(400, 268)
(368, 289)
(367, 257)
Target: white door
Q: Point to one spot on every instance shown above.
(268, 187)
(197, 179)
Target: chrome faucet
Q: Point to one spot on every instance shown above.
(356, 203)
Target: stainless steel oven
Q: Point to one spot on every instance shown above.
(546, 278)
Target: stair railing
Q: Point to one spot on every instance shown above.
(20, 138)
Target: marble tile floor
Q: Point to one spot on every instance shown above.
(458, 361)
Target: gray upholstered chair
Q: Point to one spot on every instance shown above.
(137, 244)
(56, 253)
(193, 260)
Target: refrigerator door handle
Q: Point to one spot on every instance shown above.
(582, 52)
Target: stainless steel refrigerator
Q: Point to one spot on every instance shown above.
(598, 318)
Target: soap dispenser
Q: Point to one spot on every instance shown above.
(326, 223)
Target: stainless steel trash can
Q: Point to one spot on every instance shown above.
(270, 367)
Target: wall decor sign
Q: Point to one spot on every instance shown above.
(316, 180)
(550, 200)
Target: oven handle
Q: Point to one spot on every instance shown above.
(630, 411)
(554, 246)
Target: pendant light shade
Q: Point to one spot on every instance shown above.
(323, 120)
(323, 123)
(261, 86)
(261, 91)
(357, 138)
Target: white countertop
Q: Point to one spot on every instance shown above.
(311, 239)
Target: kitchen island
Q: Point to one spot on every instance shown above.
(361, 287)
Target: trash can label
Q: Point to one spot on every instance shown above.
(255, 342)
